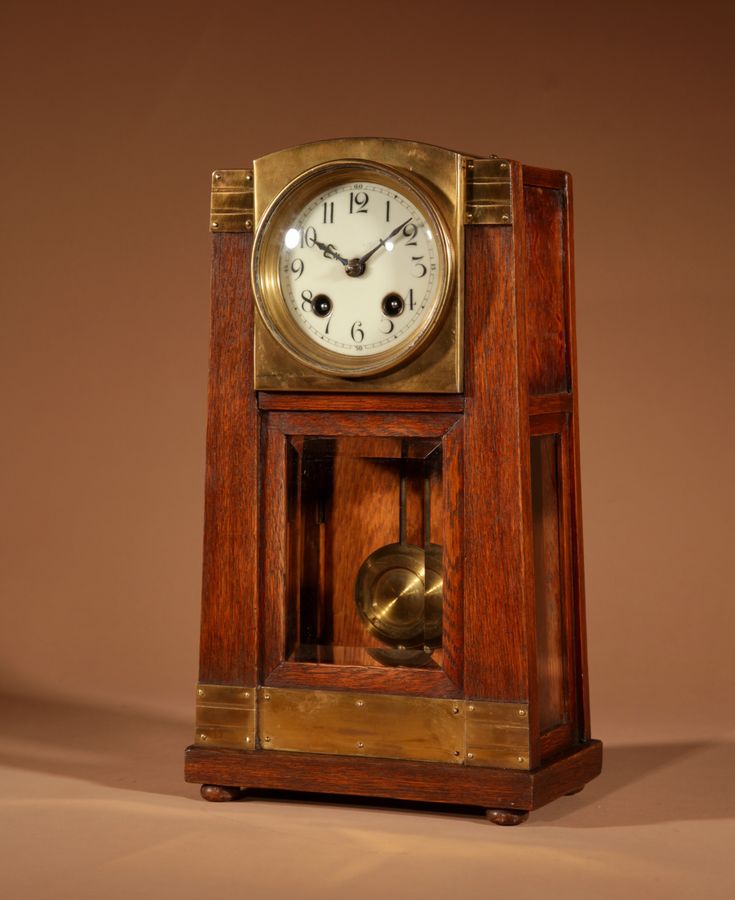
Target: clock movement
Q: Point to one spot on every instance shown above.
(393, 599)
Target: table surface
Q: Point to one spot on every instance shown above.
(93, 804)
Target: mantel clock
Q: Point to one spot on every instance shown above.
(393, 593)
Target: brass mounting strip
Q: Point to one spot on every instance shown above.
(225, 716)
(465, 732)
(488, 192)
(232, 207)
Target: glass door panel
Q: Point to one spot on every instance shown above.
(365, 524)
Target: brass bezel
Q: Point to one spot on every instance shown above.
(266, 271)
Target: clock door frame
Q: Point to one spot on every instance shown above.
(274, 669)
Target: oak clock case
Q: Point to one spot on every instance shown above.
(393, 600)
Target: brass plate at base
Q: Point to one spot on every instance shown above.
(469, 732)
(360, 724)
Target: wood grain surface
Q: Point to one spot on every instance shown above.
(498, 660)
(228, 646)
(546, 300)
(400, 779)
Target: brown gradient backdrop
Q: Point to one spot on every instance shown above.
(113, 117)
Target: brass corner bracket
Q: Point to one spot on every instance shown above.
(488, 192)
(232, 206)
(225, 716)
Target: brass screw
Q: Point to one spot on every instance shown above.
(504, 218)
(248, 177)
(248, 225)
(469, 216)
(266, 696)
(470, 756)
(202, 737)
(217, 176)
(247, 740)
(359, 702)
(521, 759)
(266, 739)
(246, 694)
(521, 712)
(455, 710)
(455, 752)
(215, 224)
(503, 165)
(471, 708)
(360, 745)
(201, 693)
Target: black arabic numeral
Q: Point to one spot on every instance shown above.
(420, 266)
(358, 202)
(390, 323)
(358, 335)
(306, 300)
(308, 237)
(297, 267)
(410, 232)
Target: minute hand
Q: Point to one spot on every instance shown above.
(366, 257)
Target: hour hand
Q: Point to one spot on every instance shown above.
(330, 252)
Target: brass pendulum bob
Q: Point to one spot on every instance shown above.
(398, 592)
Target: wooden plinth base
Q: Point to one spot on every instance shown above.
(503, 792)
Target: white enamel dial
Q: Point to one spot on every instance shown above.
(360, 267)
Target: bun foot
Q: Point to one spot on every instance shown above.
(507, 816)
(575, 791)
(220, 793)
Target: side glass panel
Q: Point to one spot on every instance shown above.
(365, 520)
(545, 488)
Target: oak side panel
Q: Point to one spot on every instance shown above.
(580, 642)
(546, 295)
(228, 653)
(499, 617)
